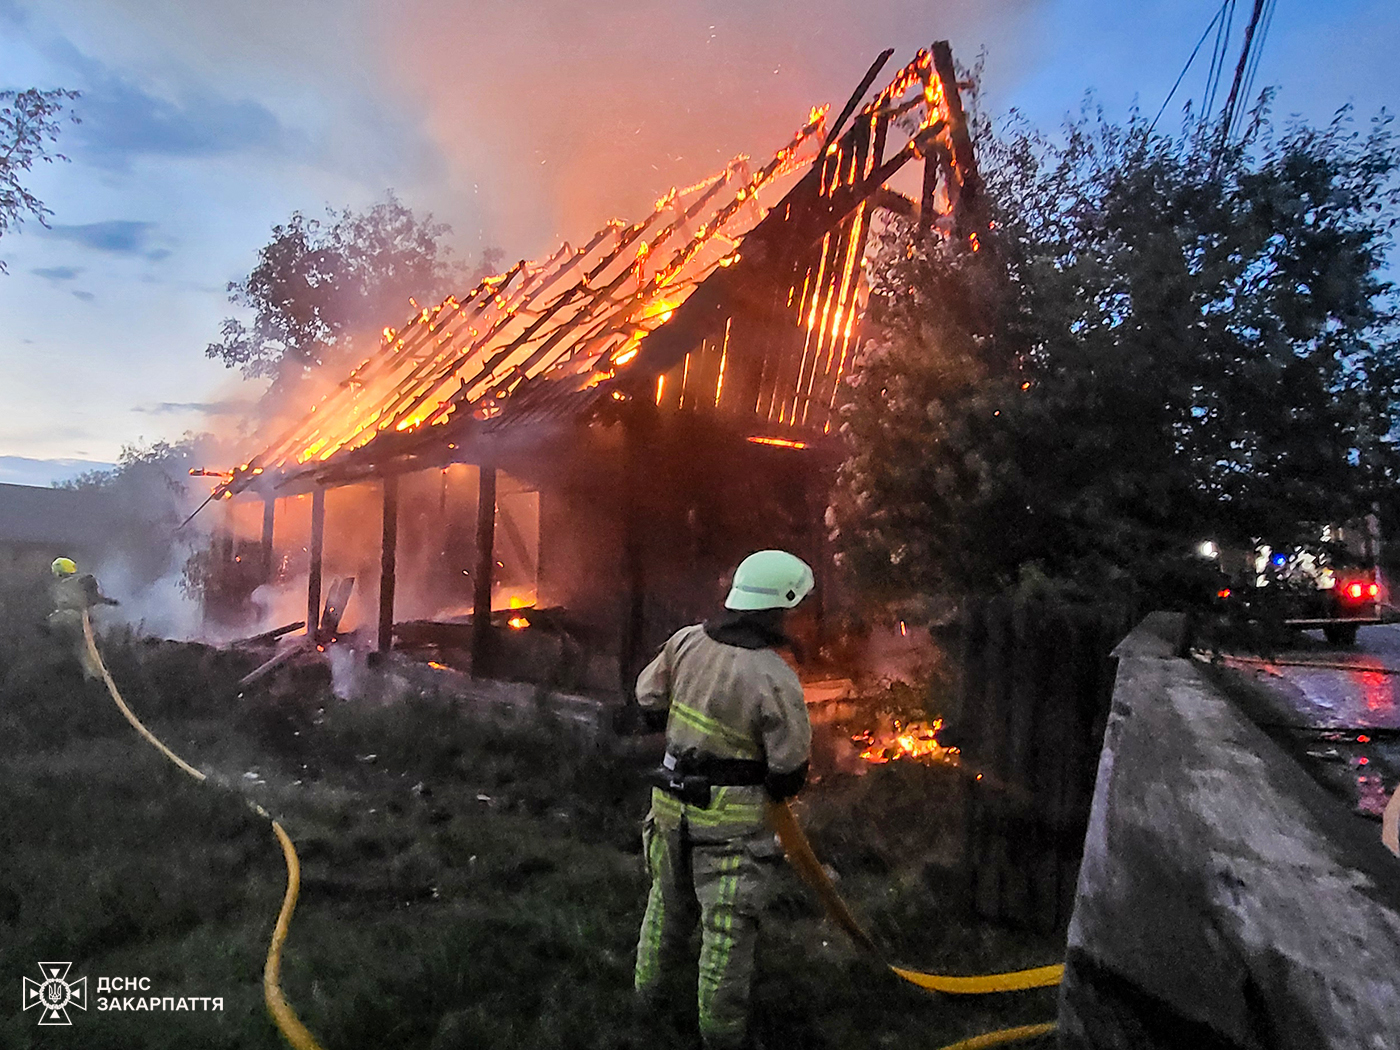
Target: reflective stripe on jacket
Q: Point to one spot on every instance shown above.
(725, 701)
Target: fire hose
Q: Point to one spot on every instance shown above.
(282, 1014)
(801, 856)
(795, 845)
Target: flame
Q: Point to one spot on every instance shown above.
(437, 666)
(912, 740)
(779, 442)
(518, 622)
(585, 308)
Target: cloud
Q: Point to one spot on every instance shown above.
(121, 236)
(121, 120)
(208, 408)
(24, 470)
(57, 273)
(86, 297)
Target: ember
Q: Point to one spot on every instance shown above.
(906, 740)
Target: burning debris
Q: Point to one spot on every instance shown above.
(582, 318)
(913, 740)
(737, 300)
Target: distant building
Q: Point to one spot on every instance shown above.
(40, 524)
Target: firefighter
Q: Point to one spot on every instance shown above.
(737, 733)
(72, 595)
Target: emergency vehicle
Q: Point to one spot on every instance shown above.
(1334, 584)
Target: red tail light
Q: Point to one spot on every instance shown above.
(1354, 590)
(1373, 590)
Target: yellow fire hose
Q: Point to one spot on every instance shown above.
(780, 816)
(800, 855)
(282, 1015)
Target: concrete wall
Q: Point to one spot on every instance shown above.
(1224, 899)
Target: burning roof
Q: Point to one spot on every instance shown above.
(741, 293)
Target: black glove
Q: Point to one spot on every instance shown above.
(783, 786)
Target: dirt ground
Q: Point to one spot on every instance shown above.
(467, 880)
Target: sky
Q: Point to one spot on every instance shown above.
(518, 122)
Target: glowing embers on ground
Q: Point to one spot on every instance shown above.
(913, 740)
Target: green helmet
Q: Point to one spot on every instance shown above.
(770, 580)
(63, 567)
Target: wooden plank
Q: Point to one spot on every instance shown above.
(336, 601)
(272, 635)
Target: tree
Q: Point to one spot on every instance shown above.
(318, 285)
(1158, 343)
(29, 123)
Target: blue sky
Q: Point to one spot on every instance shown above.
(519, 122)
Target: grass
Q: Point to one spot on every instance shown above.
(474, 884)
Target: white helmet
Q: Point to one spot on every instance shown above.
(770, 580)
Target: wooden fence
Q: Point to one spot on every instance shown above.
(1035, 680)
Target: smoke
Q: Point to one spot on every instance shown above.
(557, 116)
(156, 607)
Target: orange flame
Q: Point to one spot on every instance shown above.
(778, 442)
(917, 741)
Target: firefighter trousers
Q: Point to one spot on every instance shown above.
(722, 886)
(67, 625)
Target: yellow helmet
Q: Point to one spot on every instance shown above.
(770, 580)
(63, 567)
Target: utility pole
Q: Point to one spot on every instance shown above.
(1227, 115)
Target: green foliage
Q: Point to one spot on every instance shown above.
(29, 123)
(319, 284)
(1158, 343)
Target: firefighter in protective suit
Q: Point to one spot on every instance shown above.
(737, 733)
(72, 595)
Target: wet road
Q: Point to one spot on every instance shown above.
(1342, 703)
(1362, 695)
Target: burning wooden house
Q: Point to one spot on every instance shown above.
(607, 430)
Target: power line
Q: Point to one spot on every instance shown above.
(1184, 69)
(1217, 60)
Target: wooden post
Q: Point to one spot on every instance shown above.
(388, 551)
(313, 574)
(815, 481)
(970, 208)
(269, 513)
(932, 163)
(485, 570)
(639, 429)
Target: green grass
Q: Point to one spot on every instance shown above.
(429, 917)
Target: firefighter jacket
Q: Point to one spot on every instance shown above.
(727, 702)
(78, 592)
